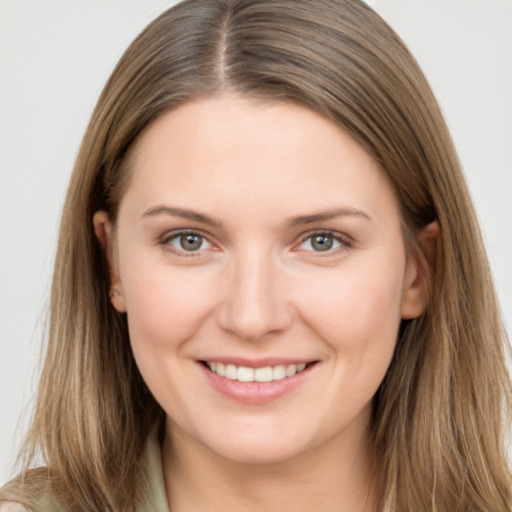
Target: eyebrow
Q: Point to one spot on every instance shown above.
(328, 215)
(295, 221)
(183, 213)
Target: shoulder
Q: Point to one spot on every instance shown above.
(38, 498)
(12, 506)
(34, 491)
(31, 491)
(43, 504)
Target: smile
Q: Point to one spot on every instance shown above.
(264, 374)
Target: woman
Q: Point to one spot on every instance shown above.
(270, 289)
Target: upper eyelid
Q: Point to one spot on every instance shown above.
(168, 235)
(346, 242)
(329, 232)
(173, 234)
(165, 243)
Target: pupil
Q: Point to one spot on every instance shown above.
(190, 242)
(322, 243)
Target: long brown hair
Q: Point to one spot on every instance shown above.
(439, 417)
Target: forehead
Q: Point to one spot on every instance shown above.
(248, 152)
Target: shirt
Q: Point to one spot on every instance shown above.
(155, 499)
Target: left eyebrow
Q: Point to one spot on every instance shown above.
(182, 213)
(328, 215)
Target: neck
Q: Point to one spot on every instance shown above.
(332, 477)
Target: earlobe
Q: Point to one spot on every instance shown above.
(103, 231)
(419, 272)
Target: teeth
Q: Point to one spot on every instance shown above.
(246, 374)
(263, 374)
(231, 371)
(279, 372)
(291, 369)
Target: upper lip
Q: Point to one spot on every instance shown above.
(258, 363)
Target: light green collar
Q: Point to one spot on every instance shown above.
(156, 499)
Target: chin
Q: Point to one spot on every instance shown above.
(259, 453)
(259, 445)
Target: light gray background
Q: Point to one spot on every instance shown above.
(54, 59)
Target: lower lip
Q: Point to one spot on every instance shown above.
(256, 392)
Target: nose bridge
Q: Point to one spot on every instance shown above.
(255, 302)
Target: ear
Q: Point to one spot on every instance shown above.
(419, 272)
(103, 230)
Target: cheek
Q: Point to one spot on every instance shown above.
(165, 308)
(165, 305)
(356, 311)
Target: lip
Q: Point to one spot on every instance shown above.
(256, 393)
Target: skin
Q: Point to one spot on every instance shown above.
(258, 288)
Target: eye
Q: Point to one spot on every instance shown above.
(187, 242)
(323, 242)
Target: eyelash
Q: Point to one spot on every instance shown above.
(175, 235)
(344, 242)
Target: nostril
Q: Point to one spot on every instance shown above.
(254, 320)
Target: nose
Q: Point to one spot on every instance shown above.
(254, 305)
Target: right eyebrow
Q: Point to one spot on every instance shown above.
(327, 215)
(182, 213)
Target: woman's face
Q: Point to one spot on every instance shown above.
(259, 256)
